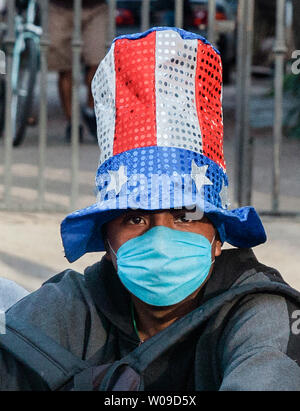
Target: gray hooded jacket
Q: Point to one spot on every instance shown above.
(251, 343)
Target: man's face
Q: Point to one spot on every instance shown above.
(136, 222)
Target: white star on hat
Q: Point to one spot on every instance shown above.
(198, 174)
(224, 196)
(117, 179)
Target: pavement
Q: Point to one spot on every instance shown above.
(30, 245)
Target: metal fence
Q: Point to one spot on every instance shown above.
(243, 138)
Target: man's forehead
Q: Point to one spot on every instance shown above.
(170, 210)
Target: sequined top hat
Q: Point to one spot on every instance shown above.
(158, 103)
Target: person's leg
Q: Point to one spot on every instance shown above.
(88, 112)
(90, 72)
(95, 20)
(65, 92)
(60, 58)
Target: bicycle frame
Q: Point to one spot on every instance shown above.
(24, 29)
(2, 24)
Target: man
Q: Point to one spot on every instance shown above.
(94, 29)
(165, 299)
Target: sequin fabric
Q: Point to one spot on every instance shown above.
(167, 93)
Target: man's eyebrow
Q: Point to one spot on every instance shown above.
(136, 212)
(139, 211)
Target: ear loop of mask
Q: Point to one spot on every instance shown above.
(111, 248)
(115, 255)
(211, 246)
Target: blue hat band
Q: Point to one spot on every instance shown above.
(160, 178)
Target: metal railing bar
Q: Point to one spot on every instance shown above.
(43, 126)
(145, 15)
(247, 185)
(279, 214)
(76, 74)
(244, 141)
(279, 51)
(239, 110)
(31, 209)
(211, 29)
(112, 6)
(8, 143)
(179, 13)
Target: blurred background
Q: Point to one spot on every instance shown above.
(48, 145)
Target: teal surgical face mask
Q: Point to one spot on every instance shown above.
(164, 266)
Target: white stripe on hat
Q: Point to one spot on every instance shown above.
(175, 73)
(104, 92)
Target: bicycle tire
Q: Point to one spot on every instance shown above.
(22, 97)
(2, 105)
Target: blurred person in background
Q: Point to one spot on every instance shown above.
(94, 29)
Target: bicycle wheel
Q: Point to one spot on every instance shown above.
(2, 105)
(25, 70)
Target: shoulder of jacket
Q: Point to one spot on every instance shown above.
(237, 261)
(236, 266)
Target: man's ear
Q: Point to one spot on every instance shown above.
(218, 245)
(218, 248)
(107, 255)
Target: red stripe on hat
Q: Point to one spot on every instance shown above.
(135, 124)
(208, 84)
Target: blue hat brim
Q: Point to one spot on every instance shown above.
(81, 230)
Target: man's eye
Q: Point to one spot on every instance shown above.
(135, 220)
(182, 219)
